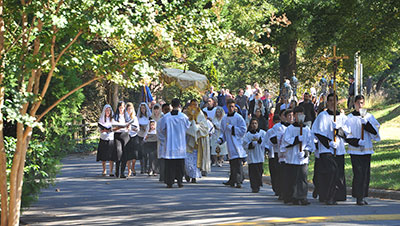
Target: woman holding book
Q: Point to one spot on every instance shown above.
(106, 144)
(121, 139)
(132, 146)
(144, 120)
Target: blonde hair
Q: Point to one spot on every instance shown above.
(133, 113)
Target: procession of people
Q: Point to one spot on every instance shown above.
(180, 141)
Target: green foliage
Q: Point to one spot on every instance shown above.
(40, 167)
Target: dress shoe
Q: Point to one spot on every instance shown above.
(180, 185)
(122, 176)
(169, 185)
(111, 175)
(187, 178)
(194, 180)
(238, 185)
(227, 183)
(331, 202)
(255, 190)
(304, 202)
(315, 194)
(360, 202)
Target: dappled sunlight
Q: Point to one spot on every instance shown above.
(85, 198)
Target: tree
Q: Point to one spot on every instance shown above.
(37, 38)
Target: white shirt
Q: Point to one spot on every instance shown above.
(234, 143)
(255, 155)
(278, 131)
(107, 135)
(172, 128)
(210, 113)
(354, 125)
(293, 154)
(323, 125)
(134, 124)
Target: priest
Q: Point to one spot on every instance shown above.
(172, 128)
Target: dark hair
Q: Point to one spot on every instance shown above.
(230, 101)
(298, 109)
(252, 119)
(156, 106)
(116, 115)
(282, 113)
(276, 118)
(288, 112)
(359, 97)
(164, 105)
(193, 100)
(331, 95)
(175, 102)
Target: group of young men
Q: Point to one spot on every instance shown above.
(288, 145)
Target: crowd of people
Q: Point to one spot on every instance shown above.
(184, 141)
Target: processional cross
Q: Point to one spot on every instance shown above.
(334, 59)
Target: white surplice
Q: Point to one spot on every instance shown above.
(234, 142)
(293, 154)
(256, 154)
(172, 130)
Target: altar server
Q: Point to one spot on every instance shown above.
(297, 149)
(272, 146)
(363, 130)
(172, 128)
(233, 129)
(332, 184)
(255, 148)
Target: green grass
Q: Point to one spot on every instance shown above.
(385, 162)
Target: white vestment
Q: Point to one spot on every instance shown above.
(256, 154)
(172, 130)
(234, 142)
(293, 154)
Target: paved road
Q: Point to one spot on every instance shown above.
(82, 197)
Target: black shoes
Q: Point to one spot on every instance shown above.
(122, 176)
(331, 202)
(238, 185)
(194, 180)
(187, 178)
(361, 202)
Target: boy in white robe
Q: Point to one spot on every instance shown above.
(296, 147)
(255, 148)
(286, 117)
(172, 128)
(272, 146)
(233, 129)
(360, 148)
(331, 179)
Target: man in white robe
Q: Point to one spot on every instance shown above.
(172, 128)
(297, 149)
(363, 130)
(233, 129)
(331, 153)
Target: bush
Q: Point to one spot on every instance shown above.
(40, 167)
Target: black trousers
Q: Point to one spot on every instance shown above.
(282, 180)
(236, 171)
(329, 175)
(297, 186)
(120, 154)
(361, 175)
(174, 169)
(341, 193)
(255, 174)
(150, 150)
(316, 176)
(273, 165)
(161, 163)
(145, 159)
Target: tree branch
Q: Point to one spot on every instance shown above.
(69, 45)
(67, 95)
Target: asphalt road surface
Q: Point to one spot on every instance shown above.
(81, 196)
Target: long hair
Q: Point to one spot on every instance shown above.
(116, 115)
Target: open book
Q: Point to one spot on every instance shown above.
(122, 125)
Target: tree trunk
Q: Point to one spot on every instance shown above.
(287, 61)
(3, 160)
(115, 99)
